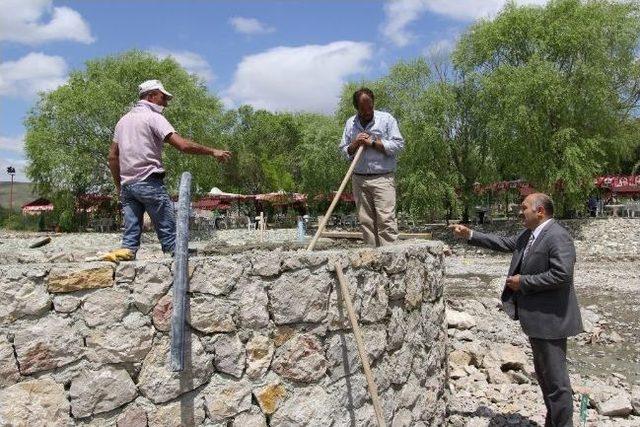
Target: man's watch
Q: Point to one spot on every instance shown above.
(373, 140)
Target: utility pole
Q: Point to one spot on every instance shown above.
(11, 171)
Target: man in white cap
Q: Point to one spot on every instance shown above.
(135, 161)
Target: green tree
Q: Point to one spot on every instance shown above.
(70, 129)
(557, 86)
(264, 146)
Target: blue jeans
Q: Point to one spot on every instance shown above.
(149, 195)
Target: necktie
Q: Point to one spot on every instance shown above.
(526, 250)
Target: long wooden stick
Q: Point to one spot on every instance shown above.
(323, 223)
(362, 351)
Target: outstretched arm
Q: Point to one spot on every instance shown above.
(187, 146)
(489, 241)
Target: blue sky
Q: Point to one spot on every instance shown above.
(270, 54)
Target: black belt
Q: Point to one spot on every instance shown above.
(157, 175)
(372, 174)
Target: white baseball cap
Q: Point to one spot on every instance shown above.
(153, 85)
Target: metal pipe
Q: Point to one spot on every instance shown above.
(180, 274)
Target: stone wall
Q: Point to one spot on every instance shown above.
(88, 343)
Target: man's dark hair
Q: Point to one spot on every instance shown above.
(541, 199)
(362, 91)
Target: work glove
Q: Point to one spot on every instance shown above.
(118, 255)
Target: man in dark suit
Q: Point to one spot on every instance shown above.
(539, 292)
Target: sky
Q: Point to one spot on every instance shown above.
(269, 54)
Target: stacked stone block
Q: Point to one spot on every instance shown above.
(270, 341)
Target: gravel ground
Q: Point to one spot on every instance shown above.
(605, 357)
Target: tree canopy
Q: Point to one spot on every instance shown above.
(547, 94)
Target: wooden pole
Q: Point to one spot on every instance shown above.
(180, 276)
(323, 223)
(362, 351)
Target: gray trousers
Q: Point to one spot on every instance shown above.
(550, 363)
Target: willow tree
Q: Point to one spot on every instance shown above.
(558, 84)
(69, 131)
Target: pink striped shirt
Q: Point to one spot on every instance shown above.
(140, 135)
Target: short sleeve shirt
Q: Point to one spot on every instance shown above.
(140, 135)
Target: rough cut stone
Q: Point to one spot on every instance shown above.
(132, 416)
(252, 300)
(270, 396)
(460, 319)
(250, 418)
(397, 287)
(8, 368)
(296, 260)
(21, 295)
(300, 359)
(93, 392)
(105, 307)
(47, 344)
(211, 314)
(351, 390)
(342, 350)
(617, 406)
(86, 277)
(66, 303)
(267, 264)
(310, 406)
(308, 304)
(506, 357)
(225, 398)
(159, 384)
(229, 354)
(403, 418)
(259, 350)
(162, 313)
(374, 300)
(125, 272)
(128, 341)
(414, 280)
(151, 283)
(186, 411)
(216, 276)
(29, 403)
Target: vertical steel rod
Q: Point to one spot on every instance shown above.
(180, 274)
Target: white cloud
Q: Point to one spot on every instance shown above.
(12, 144)
(31, 74)
(190, 61)
(305, 78)
(37, 21)
(250, 26)
(399, 14)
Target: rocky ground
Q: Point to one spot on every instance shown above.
(492, 380)
(491, 370)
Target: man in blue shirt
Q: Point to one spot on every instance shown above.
(373, 181)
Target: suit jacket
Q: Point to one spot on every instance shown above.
(546, 303)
